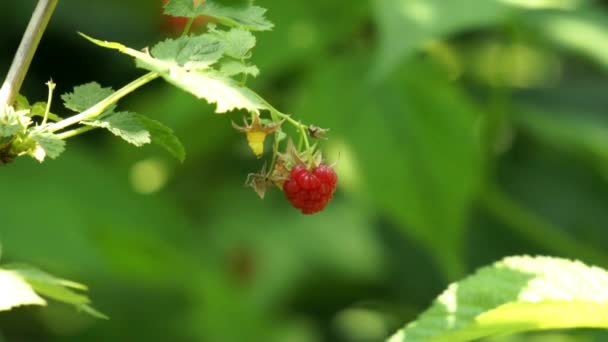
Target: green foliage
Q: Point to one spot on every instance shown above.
(191, 52)
(514, 295)
(24, 285)
(406, 25)
(125, 125)
(481, 136)
(245, 15)
(207, 84)
(133, 128)
(439, 123)
(10, 121)
(16, 291)
(186, 62)
(48, 145)
(85, 96)
(163, 136)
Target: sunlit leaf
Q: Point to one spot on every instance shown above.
(232, 68)
(415, 143)
(15, 291)
(514, 295)
(210, 85)
(24, 285)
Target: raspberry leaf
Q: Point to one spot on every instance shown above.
(210, 85)
(232, 68)
(15, 291)
(202, 51)
(85, 96)
(47, 145)
(242, 14)
(164, 137)
(24, 285)
(39, 108)
(237, 42)
(125, 125)
(514, 295)
(10, 123)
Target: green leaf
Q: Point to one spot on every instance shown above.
(210, 85)
(566, 30)
(164, 137)
(406, 25)
(237, 42)
(242, 15)
(85, 96)
(21, 102)
(11, 121)
(15, 291)
(55, 288)
(514, 295)
(125, 125)
(216, 88)
(192, 52)
(232, 68)
(39, 108)
(47, 145)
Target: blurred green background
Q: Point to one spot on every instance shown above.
(463, 131)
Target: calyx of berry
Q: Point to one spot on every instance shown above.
(256, 133)
(317, 132)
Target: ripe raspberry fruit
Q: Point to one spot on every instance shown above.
(310, 191)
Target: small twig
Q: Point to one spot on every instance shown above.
(27, 48)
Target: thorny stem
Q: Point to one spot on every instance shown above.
(101, 106)
(27, 48)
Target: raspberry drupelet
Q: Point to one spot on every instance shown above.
(310, 190)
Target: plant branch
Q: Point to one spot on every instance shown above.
(27, 48)
(101, 106)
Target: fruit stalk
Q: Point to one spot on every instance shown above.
(27, 48)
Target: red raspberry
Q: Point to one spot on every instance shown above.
(310, 191)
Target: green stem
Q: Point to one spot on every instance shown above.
(533, 228)
(75, 132)
(51, 86)
(275, 150)
(27, 48)
(277, 116)
(188, 27)
(300, 126)
(101, 106)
